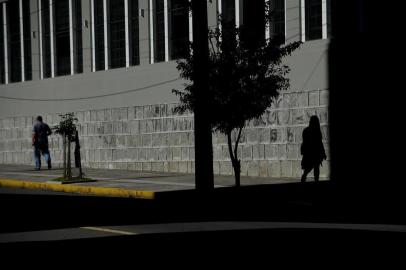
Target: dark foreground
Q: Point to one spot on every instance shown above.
(324, 202)
(244, 249)
(24, 210)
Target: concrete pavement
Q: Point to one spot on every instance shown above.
(120, 183)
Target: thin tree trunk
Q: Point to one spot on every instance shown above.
(234, 157)
(80, 170)
(64, 155)
(79, 156)
(69, 161)
(238, 162)
(237, 172)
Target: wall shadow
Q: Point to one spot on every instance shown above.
(365, 78)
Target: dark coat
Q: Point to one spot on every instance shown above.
(312, 148)
(41, 131)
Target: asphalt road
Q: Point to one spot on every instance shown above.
(25, 210)
(188, 227)
(259, 248)
(52, 224)
(28, 210)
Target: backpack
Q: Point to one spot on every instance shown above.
(41, 135)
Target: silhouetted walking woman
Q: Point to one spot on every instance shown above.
(312, 149)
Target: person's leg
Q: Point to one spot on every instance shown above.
(305, 173)
(47, 157)
(316, 173)
(37, 157)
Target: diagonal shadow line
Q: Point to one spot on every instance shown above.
(314, 69)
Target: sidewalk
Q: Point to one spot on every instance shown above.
(117, 183)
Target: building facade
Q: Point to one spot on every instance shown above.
(112, 62)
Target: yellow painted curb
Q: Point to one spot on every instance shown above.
(100, 191)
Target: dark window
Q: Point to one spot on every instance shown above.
(313, 21)
(77, 30)
(2, 62)
(27, 40)
(116, 34)
(178, 28)
(62, 42)
(99, 34)
(14, 41)
(253, 23)
(46, 39)
(228, 11)
(134, 33)
(228, 22)
(159, 30)
(277, 24)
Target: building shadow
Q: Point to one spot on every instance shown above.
(365, 78)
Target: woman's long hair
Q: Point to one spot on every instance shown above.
(314, 126)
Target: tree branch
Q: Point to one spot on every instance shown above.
(230, 147)
(236, 143)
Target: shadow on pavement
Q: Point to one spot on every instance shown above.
(310, 202)
(265, 247)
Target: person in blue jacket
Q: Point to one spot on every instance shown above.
(40, 133)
